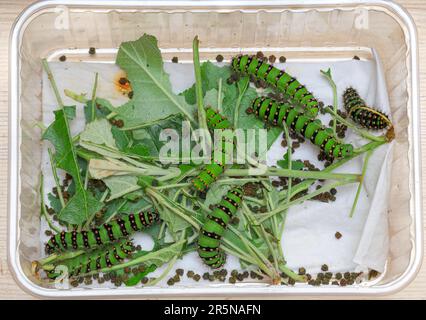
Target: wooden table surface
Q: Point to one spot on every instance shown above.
(9, 9)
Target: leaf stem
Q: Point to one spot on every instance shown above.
(329, 77)
(242, 89)
(358, 191)
(93, 101)
(279, 172)
(43, 207)
(55, 176)
(47, 69)
(263, 217)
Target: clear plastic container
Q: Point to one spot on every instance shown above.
(303, 29)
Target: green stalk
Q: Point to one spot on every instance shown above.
(133, 262)
(59, 257)
(164, 201)
(304, 185)
(202, 121)
(55, 176)
(49, 73)
(93, 102)
(328, 76)
(358, 192)
(279, 172)
(75, 96)
(43, 207)
(242, 90)
(219, 96)
(301, 199)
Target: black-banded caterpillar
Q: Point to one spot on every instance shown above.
(212, 171)
(276, 113)
(105, 234)
(214, 228)
(279, 79)
(95, 260)
(362, 114)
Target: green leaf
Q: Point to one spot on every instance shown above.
(215, 194)
(295, 164)
(210, 75)
(122, 138)
(210, 99)
(102, 109)
(153, 98)
(55, 203)
(99, 132)
(132, 281)
(121, 185)
(82, 205)
(70, 112)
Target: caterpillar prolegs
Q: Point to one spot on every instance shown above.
(105, 234)
(276, 113)
(95, 260)
(362, 114)
(211, 233)
(213, 170)
(279, 79)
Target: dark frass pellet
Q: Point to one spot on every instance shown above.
(324, 267)
(337, 235)
(219, 58)
(130, 95)
(211, 277)
(291, 282)
(259, 55)
(333, 191)
(179, 272)
(48, 233)
(356, 58)
(335, 283)
(338, 276)
(253, 275)
(175, 60)
(190, 274)
(232, 280)
(240, 277)
(206, 275)
(62, 58)
(283, 59)
(144, 280)
(92, 50)
(302, 271)
(272, 58)
(196, 277)
(170, 282)
(246, 274)
(343, 282)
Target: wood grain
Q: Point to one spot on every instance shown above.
(9, 11)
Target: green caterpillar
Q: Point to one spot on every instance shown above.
(362, 114)
(277, 78)
(214, 228)
(213, 170)
(105, 234)
(98, 259)
(276, 113)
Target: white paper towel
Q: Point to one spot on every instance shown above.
(308, 238)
